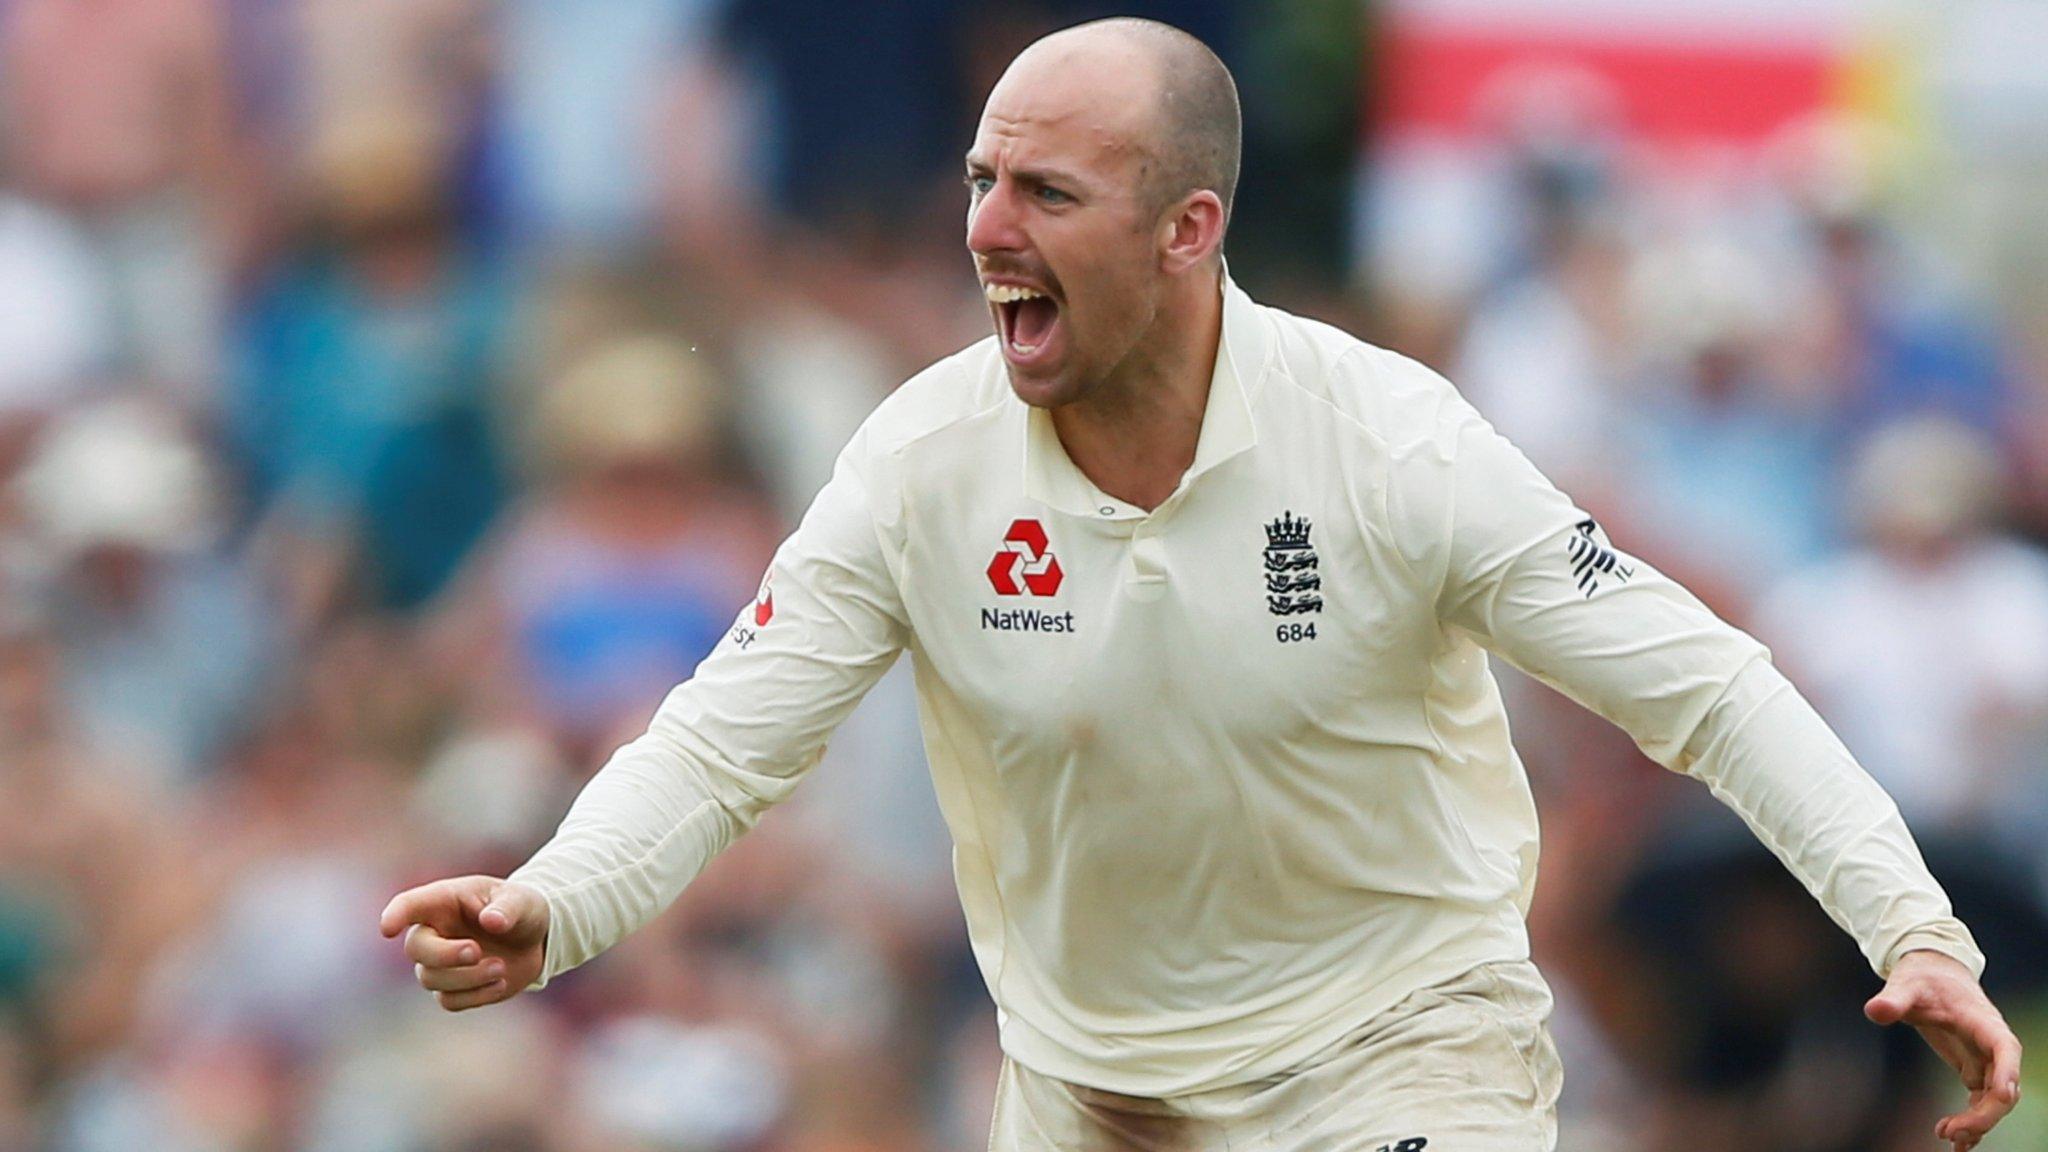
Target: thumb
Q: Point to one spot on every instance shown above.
(1889, 1006)
(507, 909)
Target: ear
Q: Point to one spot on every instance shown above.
(1191, 232)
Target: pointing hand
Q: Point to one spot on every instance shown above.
(473, 940)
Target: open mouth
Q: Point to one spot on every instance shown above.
(1027, 320)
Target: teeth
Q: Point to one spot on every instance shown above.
(1010, 293)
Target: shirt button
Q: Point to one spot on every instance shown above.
(1107, 510)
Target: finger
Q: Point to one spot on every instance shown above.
(466, 978)
(436, 903)
(2003, 1079)
(1975, 1122)
(423, 945)
(405, 908)
(1963, 1054)
(458, 1001)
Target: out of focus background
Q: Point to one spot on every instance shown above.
(398, 396)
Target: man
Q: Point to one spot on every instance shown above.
(1197, 594)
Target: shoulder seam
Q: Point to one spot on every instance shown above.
(897, 448)
(1357, 350)
(946, 425)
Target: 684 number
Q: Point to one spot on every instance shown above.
(1290, 633)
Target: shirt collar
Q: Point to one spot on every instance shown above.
(1228, 428)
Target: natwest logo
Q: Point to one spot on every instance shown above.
(1025, 563)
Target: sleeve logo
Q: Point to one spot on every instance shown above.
(742, 636)
(1593, 559)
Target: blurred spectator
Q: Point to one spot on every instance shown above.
(362, 59)
(82, 905)
(167, 639)
(1927, 646)
(592, 95)
(1893, 331)
(1444, 223)
(633, 557)
(1545, 349)
(1724, 465)
(371, 359)
(121, 114)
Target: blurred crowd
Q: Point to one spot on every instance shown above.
(398, 396)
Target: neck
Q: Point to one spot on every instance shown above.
(1135, 435)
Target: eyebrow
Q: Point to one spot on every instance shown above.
(1030, 175)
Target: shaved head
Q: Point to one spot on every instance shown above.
(1099, 187)
(1194, 137)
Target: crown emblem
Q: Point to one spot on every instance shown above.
(1293, 582)
(1287, 534)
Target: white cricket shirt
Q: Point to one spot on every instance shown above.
(1226, 778)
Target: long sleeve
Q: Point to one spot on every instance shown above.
(735, 738)
(1535, 580)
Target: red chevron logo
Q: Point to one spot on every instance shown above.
(1025, 563)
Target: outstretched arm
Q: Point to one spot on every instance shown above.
(1535, 580)
(724, 747)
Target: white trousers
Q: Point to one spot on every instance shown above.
(1466, 1066)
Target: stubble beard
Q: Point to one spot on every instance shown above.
(1109, 392)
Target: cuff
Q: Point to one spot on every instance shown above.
(1951, 939)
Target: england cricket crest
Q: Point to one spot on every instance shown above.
(1293, 584)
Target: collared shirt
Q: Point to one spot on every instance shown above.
(1228, 777)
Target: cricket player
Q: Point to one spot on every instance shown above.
(1199, 596)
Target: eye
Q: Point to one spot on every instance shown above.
(977, 184)
(1051, 195)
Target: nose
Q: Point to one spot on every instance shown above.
(993, 222)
